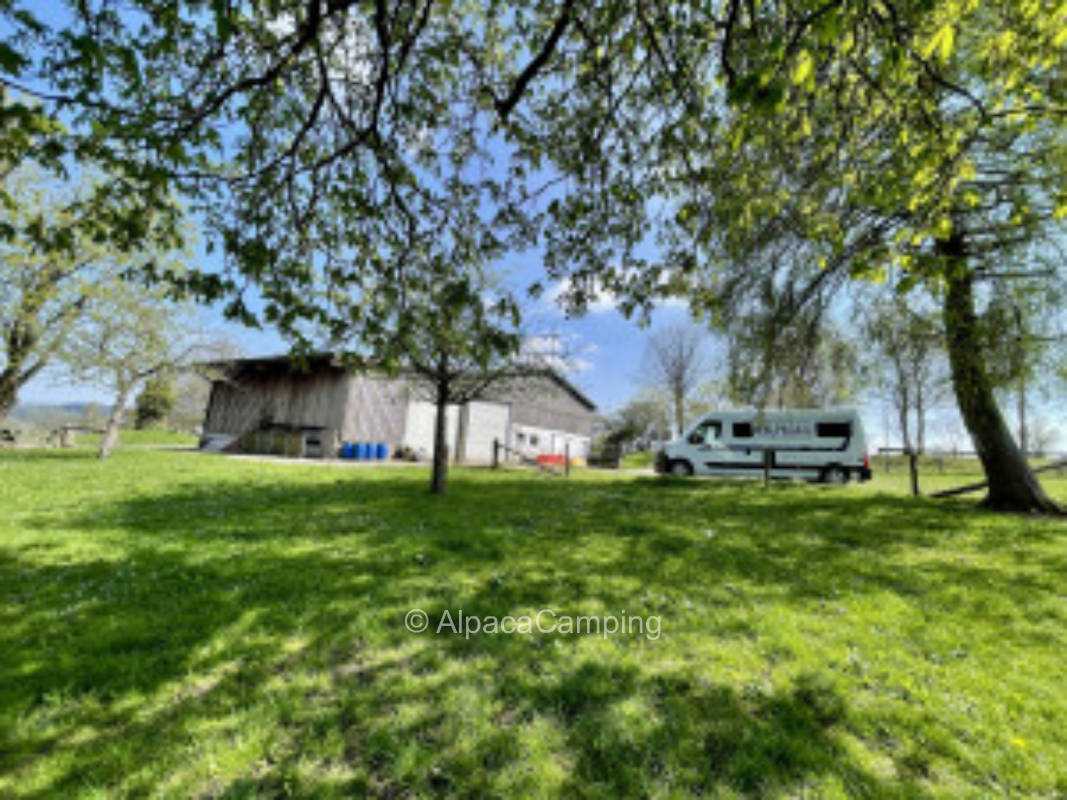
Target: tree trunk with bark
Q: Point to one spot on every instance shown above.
(1012, 485)
(111, 429)
(8, 392)
(438, 482)
(679, 411)
(13, 377)
(902, 417)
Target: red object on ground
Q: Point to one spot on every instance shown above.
(552, 459)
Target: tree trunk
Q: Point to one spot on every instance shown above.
(920, 419)
(1012, 486)
(679, 412)
(9, 390)
(1024, 445)
(13, 377)
(902, 412)
(111, 429)
(902, 400)
(438, 482)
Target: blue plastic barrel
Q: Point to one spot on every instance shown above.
(381, 450)
(363, 451)
(347, 450)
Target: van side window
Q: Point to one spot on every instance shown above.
(833, 430)
(742, 430)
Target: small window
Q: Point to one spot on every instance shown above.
(520, 437)
(534, 439)
(742, 430)
(833, 430)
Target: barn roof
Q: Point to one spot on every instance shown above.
(275, 364)
(311, 362)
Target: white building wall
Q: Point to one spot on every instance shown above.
(472, 428)
(419, 428)
(534, 441)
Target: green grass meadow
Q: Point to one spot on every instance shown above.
(185, 625)
(148, 437)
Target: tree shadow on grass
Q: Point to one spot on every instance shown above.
(269, 619)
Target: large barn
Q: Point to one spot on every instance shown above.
(273, 405)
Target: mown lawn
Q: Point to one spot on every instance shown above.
(177, 624)
(155, 437)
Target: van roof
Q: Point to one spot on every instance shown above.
(791, 413)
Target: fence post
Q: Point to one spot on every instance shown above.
(496, 453)
(913, 465)
(768, 459)
(567, 459)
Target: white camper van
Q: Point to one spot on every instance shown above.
(818, 445)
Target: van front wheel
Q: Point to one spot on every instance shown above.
(681, 469)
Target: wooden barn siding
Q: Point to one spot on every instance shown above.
(375, 410)
(543, 403)
(240, 405)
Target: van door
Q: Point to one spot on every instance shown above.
(745, 456)
(704, 446)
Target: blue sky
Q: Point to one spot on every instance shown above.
(606, 347)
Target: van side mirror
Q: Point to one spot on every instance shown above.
(695, 438)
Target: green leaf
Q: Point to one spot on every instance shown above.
(943, 41)
(805, 66)
(11, 61)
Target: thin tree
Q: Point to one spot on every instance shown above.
(906, 361)
(675, 360)
(130, 337)
(1023, 333)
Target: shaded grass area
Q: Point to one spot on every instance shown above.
(177, 625)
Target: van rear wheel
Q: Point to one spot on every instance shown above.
(835, 475)
(681, 469)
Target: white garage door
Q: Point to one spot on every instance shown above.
(485, 422)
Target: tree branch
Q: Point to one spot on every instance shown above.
(505, 106)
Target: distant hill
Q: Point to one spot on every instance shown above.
(49, 415)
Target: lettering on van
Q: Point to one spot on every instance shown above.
(783, 429)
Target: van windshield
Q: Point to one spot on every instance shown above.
(706, 432)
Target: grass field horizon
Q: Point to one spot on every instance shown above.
(185, 625)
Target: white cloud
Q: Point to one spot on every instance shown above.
(558, 352)
(601, 300)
